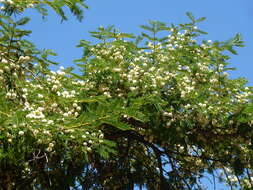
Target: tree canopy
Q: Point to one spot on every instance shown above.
(154, 111)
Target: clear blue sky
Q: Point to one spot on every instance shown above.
(225, 18)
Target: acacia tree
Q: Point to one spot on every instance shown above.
(156, 110)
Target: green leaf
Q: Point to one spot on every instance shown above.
(137, 115)
(200, 31)
(201, 19)
(191, 17)
(229, 69)
(92, 99)
(23, 21)
(145, 27)
(117, 124)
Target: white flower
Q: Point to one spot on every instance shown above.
(117, 69)
(21, 133)
(54, 105)
(54, 87)
(60, 72)
(36, 114)
(167, 114)
(65, 114)
(49, 122)
(89, 149)
(51, 145)
(49, 149)
(24, 59)
(225, 74)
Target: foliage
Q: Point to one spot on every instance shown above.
(156, 110)
(18, 6)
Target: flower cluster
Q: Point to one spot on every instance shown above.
(21, 5)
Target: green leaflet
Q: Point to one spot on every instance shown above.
(135, 114)
(117, 124)
(92, 99)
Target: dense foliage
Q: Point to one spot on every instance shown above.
(157, 110)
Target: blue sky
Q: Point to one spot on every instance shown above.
(225, 18)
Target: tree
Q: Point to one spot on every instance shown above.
(155, 111)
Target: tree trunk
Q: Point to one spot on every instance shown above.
(7, 181)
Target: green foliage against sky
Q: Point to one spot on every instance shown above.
(18, 6)
(157, 110)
